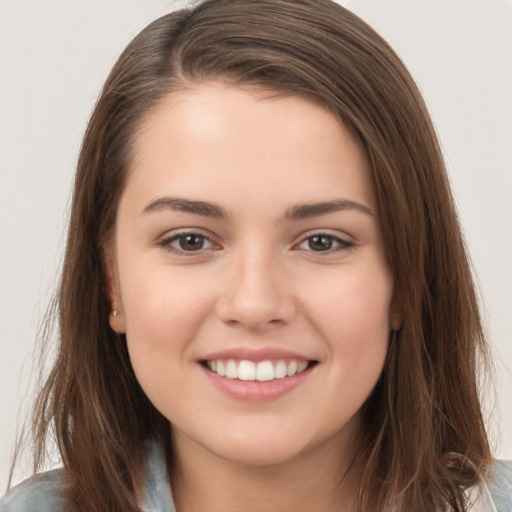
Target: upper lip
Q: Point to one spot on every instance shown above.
(255, 354)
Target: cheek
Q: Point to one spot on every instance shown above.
(160, 299)
(164, 309)
(352, 315)
(355, 323)
(163, 316)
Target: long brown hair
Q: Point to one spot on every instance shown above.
(424, 440)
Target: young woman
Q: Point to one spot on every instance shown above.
(266, 302)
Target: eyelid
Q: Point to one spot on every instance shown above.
(165, 240)
(345, 241)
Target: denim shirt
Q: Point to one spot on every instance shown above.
(42, 493)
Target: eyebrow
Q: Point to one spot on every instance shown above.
(298, 212)
(203, 208)
(305, 211)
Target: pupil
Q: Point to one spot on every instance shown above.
(320, 243)
(191, 242)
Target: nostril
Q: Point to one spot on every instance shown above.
(254, 302)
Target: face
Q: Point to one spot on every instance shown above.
(249, 274)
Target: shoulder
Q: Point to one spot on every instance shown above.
(40, 493)
(500, 485)
(43, 492)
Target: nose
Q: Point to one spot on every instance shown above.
(256, 293)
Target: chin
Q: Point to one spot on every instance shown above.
(265, 447)
(260, 456)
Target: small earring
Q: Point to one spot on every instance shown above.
(115, 312)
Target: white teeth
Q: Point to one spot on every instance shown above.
(262, 371)
(231, 369)
(246, 370)
(291, 369)
(280, 370)
(301, 366)
(220, 369)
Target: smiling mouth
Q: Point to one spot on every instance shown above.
(262, 371)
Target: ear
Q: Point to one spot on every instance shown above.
(397, 321)
(116, 317)
(396, 313)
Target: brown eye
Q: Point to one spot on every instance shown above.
(320, 243)
(324, 243)
(191, 242)
(187, 243)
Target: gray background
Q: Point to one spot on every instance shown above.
(54, 56)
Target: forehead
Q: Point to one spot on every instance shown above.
(215, 138)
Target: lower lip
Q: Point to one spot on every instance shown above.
(255, 391)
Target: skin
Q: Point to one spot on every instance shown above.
(258, 280)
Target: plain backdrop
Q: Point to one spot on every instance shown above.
(54, 56)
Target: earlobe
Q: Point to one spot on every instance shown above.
(397, 321)
(116, 320)
(116, 316)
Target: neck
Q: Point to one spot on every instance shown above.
(319, 480)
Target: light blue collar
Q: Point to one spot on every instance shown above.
(157, 492)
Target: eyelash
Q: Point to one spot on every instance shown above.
(166, 243)
(342, 244)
